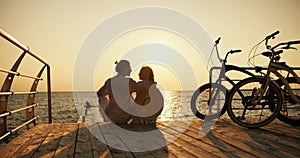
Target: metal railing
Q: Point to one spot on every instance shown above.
(6, 90)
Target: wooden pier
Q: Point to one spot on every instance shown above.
(225, 139)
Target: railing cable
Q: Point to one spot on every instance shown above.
(18, 110)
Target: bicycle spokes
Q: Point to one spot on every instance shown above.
(249, 107)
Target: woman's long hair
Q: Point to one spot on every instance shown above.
(146, 74)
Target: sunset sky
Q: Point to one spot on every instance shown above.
(59, 30)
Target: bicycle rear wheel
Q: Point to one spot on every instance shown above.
(290, 112)
(208, 100)
(244, 108)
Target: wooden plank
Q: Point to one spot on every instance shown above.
(238, 139)
(188, 143)
(50, 144)
(280, 129)
(133, 137)
(66, 146)
(112, 139)
(29, 148)
(83, 143)
(162, 152)
(99, 148)
(280, 143)
(236, 144)
(141, 139)
(177, 151)
(204, 143)
(19, 143)
(256, 143)
(167, 136)
(170, 149)
(130, 137)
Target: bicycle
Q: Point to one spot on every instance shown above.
(256, 101)
(208, 100)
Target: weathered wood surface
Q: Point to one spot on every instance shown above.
(224, 140)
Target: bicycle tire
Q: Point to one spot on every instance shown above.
(203, 107)
(290, 115)
(241, 109)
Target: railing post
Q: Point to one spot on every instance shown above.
(49, 95)
(4, 99)
(31, 97)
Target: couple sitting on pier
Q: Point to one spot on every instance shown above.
(118, 103)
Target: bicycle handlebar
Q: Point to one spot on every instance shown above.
(293, 42)
(231, 52)
(273, 53)
(235, 51)
(271, 36)
(287, 45)
(218, 40)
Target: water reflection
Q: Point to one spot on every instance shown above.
(176, 106)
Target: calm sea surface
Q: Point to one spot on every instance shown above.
(68, 107)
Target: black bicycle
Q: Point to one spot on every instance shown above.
(208, 100)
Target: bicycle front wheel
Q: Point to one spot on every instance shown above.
(290, 112)
(208, 100)
(245, 106)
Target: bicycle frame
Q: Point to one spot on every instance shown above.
(222, 76)
(227, 69)
(274, 67)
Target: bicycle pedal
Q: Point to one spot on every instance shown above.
(284, 113)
